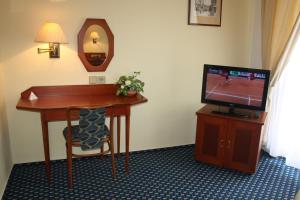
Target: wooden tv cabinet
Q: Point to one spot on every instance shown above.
(229, 141)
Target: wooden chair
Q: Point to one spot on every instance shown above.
(91, 133)
(297, 197)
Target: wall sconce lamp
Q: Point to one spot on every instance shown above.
(95, 36)
(52, 34)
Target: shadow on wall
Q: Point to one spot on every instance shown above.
(4, 134)
(9, 10)
(5, 151)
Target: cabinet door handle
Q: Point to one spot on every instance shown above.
(228, 144)
(221, 143)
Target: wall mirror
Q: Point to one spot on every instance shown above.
(95, 45)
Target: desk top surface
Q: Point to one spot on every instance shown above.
(60, 97)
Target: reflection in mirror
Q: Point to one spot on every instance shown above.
(95, 45)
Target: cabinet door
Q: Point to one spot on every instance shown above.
(210, 139)
(242, 146)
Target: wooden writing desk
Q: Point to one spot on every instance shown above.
(53, 100)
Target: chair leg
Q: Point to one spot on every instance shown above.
(69, 159)
(101, 151)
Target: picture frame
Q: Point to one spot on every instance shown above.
(205, 12)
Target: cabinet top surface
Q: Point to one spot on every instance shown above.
(253, 116)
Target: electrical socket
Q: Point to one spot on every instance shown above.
(96, 80)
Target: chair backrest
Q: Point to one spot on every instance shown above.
(91, 129)
(92, 121)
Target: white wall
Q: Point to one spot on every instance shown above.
(5, 154)
(150, 36)
(256, 45)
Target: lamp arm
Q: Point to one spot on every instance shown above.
(53, 50)
(40, 50)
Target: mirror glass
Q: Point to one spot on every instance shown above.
(95, 45)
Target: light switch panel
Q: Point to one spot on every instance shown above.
(96, 80)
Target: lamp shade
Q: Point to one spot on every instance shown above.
(94, 35)
(51, 32)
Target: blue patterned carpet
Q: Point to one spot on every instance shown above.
(170, 173)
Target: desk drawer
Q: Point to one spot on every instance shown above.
(60, 114)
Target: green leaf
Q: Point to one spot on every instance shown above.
(136, 84)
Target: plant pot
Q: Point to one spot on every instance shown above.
(131, 93)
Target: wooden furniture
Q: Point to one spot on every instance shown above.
(297, 197)
(95, 59)
(106, 39)
(228, 141)
(90, 133)
(53, 100)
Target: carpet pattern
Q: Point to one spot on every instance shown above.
(169, 173)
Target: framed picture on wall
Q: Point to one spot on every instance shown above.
(205, 12)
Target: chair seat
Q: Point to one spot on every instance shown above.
(87, 141)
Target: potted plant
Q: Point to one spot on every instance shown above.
(130, 85)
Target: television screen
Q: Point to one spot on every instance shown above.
(235, 86)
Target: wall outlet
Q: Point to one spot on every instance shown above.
(96, 80)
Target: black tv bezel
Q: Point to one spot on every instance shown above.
(231, 104)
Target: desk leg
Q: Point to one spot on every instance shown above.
(118, 133)
(127, 118)
(46, 145)
(111, 127)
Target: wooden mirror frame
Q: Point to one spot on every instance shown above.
(102, 23)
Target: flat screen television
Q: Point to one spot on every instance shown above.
(235, 87)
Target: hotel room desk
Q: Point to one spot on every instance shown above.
(53, 100)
